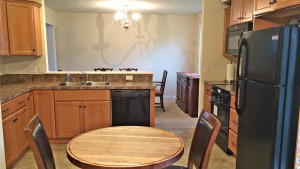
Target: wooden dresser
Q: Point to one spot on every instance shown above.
(187, 92)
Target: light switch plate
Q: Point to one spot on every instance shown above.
(129, 77)
(205, 69)
(41, 68)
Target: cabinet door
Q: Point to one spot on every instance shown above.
(68, 119)
(207, 103)
(9, 140)
(262, 6)
(20, 122)
(4, 50)
(236, 11)
(44, 107)
(247, 12)
(30, 106)
(96, 115)
(286, 3)
(21, 26)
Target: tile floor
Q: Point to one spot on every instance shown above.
(173, 120)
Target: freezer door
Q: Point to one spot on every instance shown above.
(265, 55)
(259, 134)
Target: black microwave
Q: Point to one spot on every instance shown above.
(233, 35)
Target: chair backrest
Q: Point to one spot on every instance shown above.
(163, 81)
(103, 69)
(39, 143)
(205, 134)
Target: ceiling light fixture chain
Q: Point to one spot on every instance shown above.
(122, 19)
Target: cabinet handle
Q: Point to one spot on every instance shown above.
(272, 2)
(28, 98)
(5, 110)
(20, 102)
(236, 123)
(33, 50)
(84, 106)
(80, 106)
(15, 120)
(239, 17)
(232, 143)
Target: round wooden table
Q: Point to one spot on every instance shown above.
(125, 147)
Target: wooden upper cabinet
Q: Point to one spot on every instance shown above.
(236, 10)
(262, 6)
(286, 3)
(24, 28)
(4, 49)
(241, 11)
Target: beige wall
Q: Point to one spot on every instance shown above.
(89, 40)
(212, 43)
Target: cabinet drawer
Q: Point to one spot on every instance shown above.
(81, 95)
(232, 102)
(207, 90)
(11, 106)
(233, 120)
(232, 141)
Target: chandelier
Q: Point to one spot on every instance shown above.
(121, 18)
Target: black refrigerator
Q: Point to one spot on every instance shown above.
(269, 92)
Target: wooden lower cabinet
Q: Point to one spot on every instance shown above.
(15, 142)
(68, 119)
(30, 106)
(207, 98)
(75, 116)
(44, 107)
(232, 141)
(96, 114)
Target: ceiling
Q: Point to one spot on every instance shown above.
(142, 6)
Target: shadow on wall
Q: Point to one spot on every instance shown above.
(145, 42)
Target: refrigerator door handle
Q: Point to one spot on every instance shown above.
(238, 105)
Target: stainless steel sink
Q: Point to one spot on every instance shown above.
(89, 83)
(97, 83)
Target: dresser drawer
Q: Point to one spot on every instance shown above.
(207, 90)
(233, 120)
(60, 95)
(13, 105)
(232, 141)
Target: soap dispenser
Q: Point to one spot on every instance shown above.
(68, 77)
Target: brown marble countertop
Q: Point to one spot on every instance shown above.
(11, 91)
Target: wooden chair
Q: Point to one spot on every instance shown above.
(103, 69)
(160, 92)
(39, 143)
(205, 135)
(128, 69)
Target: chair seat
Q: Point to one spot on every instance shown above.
(175, 167)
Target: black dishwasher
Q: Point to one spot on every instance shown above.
(130, 107)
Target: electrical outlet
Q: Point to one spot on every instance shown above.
(129, 77)
(32, 69)
(41, 68)
(205, 68)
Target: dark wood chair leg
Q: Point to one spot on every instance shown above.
(162, 103)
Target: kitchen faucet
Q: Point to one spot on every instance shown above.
(85, 75)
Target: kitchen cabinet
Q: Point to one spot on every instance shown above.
(15, 142)
(262, 6)
(265, 6)
(233, 127)
(30, 106)
(4, 49)
(79, 111)
(44, 107)
(207, 98)
(286, 3)
(24, 28)
(187, 93)
(241, 11)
